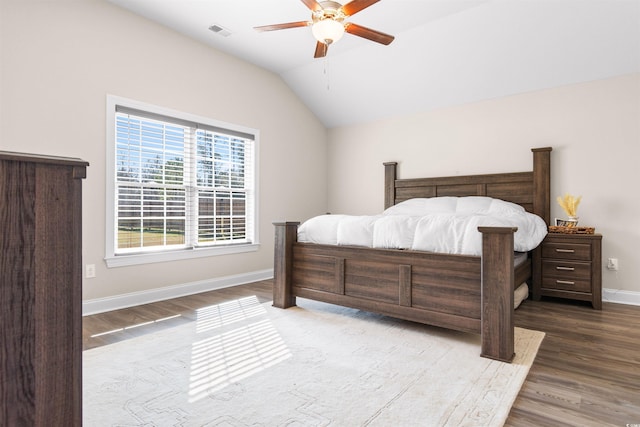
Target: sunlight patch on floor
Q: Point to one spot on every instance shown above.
(231, 355)
(137, 325)
(218, 315)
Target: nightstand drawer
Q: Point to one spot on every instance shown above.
(566, 270)
(566, 284)
(569, 250)
(569, 266)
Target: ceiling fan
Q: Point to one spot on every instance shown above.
(328, 26)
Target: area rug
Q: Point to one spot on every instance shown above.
(243, 363)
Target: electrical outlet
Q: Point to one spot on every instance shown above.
(90, 271)
(612, 264)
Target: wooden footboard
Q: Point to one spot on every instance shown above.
(466, 293)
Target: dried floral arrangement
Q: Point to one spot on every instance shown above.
(570, 204)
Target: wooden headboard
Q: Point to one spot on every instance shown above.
(529, 189)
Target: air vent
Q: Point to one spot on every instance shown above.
(220, 30)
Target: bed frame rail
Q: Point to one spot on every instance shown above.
(418, 286)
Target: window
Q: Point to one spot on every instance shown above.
(181, 186)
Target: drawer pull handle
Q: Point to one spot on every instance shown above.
(565, 268)
(566, 251)
(565, 282)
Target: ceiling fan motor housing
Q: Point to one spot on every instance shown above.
(330, 10)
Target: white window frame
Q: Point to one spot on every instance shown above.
(163, 254)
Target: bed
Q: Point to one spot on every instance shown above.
(468, 293)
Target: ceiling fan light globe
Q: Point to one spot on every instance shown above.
(327, 31)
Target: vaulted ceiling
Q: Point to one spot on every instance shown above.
(445, 52)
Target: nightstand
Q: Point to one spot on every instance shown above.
(570, 267)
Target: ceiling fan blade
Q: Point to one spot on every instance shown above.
(321, 50)
(368, 33)
(312, 4)
(356, 6)
(282, 26)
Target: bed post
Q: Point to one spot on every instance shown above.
(542, 208)
(542, 183)
(286, 236)
(497, 324)
(390, 184)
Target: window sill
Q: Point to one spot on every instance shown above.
(153, 257)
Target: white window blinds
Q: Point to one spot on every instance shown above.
(180, 184)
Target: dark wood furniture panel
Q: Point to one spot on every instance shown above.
(571, 268)
(40, 290)
(467, 293)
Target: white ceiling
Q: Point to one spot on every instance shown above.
(446, 52)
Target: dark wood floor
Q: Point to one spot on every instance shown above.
(587, 372)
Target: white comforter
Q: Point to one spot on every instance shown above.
(442, 224)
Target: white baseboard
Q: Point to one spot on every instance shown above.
(621, 297)
(100, 305)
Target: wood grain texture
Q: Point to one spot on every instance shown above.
(542, 183)
(497, 297)
(58, 304)
(286, 235)
(586, 373)
(444, 290)
(514, 187)
(390, 173)
(571, 268)
(41, 290)
(17, 294)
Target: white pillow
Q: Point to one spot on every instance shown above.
(502, 206)
(419, 207)
(472, 205)
(469, 205)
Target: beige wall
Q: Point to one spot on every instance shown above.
(59, 60)
(594, 129)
